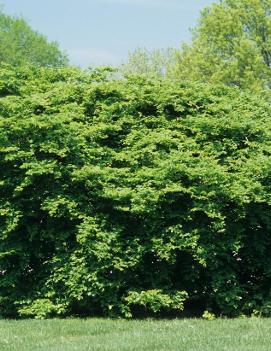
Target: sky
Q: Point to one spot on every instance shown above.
(101, 32)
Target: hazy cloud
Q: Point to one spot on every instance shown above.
(156, 3)
(85, 57)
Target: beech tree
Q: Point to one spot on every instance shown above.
(121, 196)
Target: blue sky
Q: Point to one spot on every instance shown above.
(97, 32)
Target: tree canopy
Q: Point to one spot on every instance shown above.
(151, 63)
(20, 45)
(231, 44)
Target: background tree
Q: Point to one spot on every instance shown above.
(232, 45)
(155, 63)
(20, 44)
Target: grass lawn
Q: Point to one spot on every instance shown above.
(120, 335)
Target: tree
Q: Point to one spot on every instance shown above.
(151, 63)
(20, 44)
(231, 44)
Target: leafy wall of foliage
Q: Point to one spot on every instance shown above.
(119, 197)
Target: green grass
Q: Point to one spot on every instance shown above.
(120, 335)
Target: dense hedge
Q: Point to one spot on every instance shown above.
(120, 197)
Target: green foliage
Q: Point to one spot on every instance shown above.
(21, 45)
(121, 194)
(208, 316)
(232, 45)
(155, 301)
(40, 309)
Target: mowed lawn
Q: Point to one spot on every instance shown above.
(140, 335)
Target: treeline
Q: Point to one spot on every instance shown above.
(231, 45)
(135, 194)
